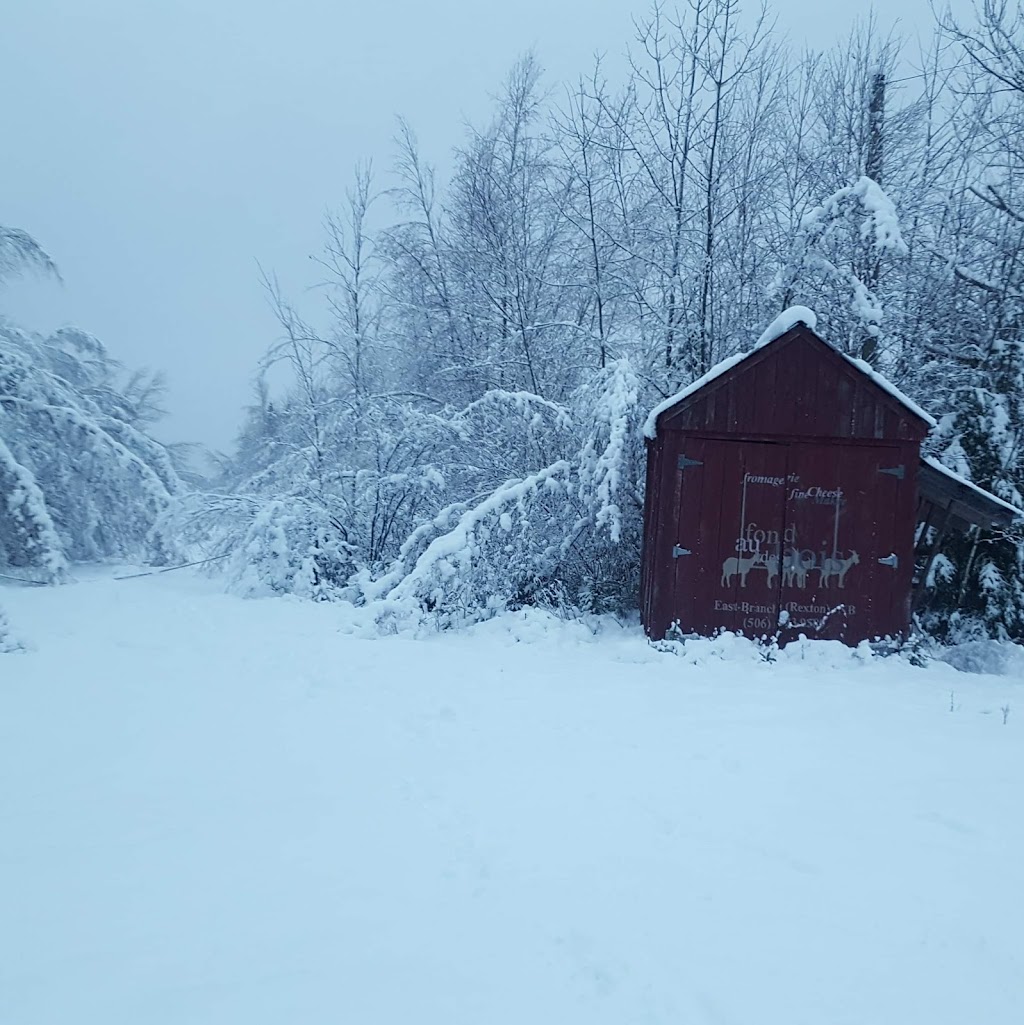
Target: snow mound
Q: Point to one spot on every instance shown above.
(732, 648)
(786, 321)
(985, 657)
(8, 642)
(540, 626)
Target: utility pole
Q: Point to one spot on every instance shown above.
(874, 163)
(874, 167)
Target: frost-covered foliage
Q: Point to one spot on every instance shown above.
(317, 492)
(80, 479)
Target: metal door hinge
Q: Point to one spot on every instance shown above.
(684, 462)
(890, 560)
(894, 471)
(677, 551)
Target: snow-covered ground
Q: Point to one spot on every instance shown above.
(226, 812)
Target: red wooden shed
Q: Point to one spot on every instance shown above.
(782, 494)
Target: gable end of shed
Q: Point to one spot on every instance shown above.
(797, 386)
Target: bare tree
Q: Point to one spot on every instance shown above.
(353, 288)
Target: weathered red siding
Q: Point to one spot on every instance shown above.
(796, 387)
(781, 495)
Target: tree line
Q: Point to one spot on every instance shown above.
(457, 427)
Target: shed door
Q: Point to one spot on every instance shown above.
(842, 575)
(802, 535)
(727, 566)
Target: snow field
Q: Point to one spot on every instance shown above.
(226, 811)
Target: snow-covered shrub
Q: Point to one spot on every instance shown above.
(981, 654)
(509, 501)
(566, 534)
(8, 642)
(263, 546)
(291, 547)
(317, 494)
(499, 554)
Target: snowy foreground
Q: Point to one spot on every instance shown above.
(240, 812)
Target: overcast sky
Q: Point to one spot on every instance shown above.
(159, 148)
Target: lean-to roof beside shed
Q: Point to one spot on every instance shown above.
(967, 503)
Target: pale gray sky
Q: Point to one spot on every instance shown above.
(158, 148)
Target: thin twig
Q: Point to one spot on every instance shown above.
(171, 569)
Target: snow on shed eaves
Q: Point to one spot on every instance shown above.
(964, 482)
(785, 321)
(887, 386)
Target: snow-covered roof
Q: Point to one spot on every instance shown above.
(887, 386)
(962, 482)
(784, 322)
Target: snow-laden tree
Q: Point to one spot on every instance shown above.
(687, 146)
(562, 528)
(484, 275)
(80, 479)
(315, 513)
(979, 375)
(444, 512)
(983, 576)
(822, 265)
(21, 253)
